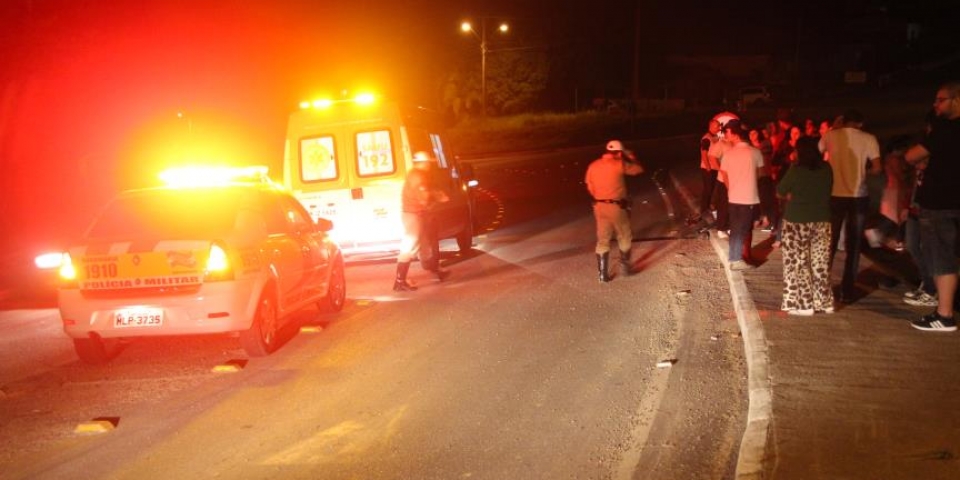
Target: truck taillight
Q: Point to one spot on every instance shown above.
(218, 265)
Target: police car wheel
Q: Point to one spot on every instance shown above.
(260, 339)
(336, 291)
(92, 350)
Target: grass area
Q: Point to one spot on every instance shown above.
(528, 132)
(888, 113)
(545, 131)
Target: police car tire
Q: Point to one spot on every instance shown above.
(336, 291)
(261, 338)
(91, 350)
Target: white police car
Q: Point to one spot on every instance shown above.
(237, 256)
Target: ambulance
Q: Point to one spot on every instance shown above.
(346, 161)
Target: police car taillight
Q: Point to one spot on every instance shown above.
(68, 272)
(218, 265)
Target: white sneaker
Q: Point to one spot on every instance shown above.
(801, 312)
(924, 299)
(740, 265)
(914, 293)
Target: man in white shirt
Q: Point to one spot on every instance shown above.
(739, 171)
(851, 152)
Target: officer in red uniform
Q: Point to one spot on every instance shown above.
(611, 207)
(418, 196)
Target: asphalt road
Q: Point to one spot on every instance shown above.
(520, 365)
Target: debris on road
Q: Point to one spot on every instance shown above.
(666, 363)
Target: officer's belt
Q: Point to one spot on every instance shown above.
(624, 203)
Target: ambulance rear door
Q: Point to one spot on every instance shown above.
(348, 165)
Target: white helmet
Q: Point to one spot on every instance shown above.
(614, 146)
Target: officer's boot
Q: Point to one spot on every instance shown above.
(441, 274)
(400, 284)
(625, 267)
(603, 262)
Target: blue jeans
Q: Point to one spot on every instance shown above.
(854, 211)
(741, 230)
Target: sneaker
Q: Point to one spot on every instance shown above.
(935, 323)
(740, 265)
(914, 293)
(801, 312)
(828, 310)
(924, 299)
(722, 234)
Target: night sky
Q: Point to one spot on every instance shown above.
(90, 91)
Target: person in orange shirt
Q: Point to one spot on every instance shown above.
(611, 206)
(708, 169)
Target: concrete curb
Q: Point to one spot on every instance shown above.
(753, 444)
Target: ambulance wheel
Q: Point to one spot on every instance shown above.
(336, 290)
(92, 350)
(465, 238)
(261, 338)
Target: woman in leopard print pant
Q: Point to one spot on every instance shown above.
(806, 232)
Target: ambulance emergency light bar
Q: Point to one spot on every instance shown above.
(360, 99)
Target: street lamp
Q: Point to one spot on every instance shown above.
(482, 36)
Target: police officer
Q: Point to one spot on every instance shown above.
(418, 196)
(611, 207)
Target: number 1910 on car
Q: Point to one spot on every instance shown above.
(138, 317)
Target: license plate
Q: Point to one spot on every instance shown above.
(138, 317)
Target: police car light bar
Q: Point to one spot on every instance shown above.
(213, 176)
(48, 260)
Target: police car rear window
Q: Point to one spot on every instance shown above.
(169, 214)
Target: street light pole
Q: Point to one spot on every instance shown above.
(482, 36)
(483, 67)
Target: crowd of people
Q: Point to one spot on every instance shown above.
(819, 186)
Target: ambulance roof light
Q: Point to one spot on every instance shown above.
(364, 99)
(324, 103)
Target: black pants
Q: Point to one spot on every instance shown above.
(709, 184)
(853, 211)
(769, 206)
(722, 201)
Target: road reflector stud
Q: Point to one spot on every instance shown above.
(97, 426)
(230, 366)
